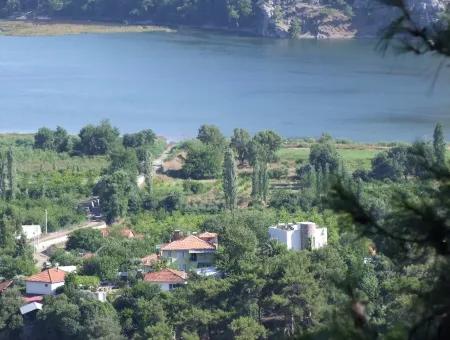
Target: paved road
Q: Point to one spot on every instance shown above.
(58, 237)
(61, 237)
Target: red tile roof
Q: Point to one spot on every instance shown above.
(149, 260)
(33, 298)
(189, 243)
(207, 234)
(4, 285)
(52, 275)
(166, 276)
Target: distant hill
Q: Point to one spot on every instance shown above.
(274, 18)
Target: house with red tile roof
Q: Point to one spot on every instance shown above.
(191, 252)
(46, 282)
(167, 279)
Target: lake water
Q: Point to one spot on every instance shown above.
(174, 82)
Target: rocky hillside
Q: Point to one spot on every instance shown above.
(336, 18)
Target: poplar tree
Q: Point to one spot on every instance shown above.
(263, 181)
(2, 175)
(229, 179)
(255, 180)
(439, 145)
(148, 170)
(11, 173)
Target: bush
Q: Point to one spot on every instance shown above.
(86, 239)
(278, 173)
(193, 187)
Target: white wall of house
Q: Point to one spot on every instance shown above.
(320, 238)
(182, 258)
(166, 286)
(292, 237)
(31, 231)
(42, 288)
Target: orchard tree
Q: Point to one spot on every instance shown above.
(44, 139)
(203, 161)
(265, 145)
(323, 155)
(114, 191)
(123, 159)
(240, 143)
(139, 139)
(97, 140)
(211, 135)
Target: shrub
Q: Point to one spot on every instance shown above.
(193, 187)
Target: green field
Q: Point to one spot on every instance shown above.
(354, 158)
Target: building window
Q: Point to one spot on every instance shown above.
(193, 258)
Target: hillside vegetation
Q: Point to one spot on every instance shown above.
(277, 18)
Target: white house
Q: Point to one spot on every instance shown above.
(191, 252)
(167, 279)
(46, 282)
(31, 231)
(300, 235)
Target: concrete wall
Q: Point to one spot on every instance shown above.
(41, 288)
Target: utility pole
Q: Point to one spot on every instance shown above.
(46, 220)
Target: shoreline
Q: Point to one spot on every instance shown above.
(29, 28)
(60, 27)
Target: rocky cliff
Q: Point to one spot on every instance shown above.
(337, 18)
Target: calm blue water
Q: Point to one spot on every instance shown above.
(174, 82)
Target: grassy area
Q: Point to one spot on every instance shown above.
(29, 28)
(354, 158)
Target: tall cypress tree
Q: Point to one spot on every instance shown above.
(148, 171)
(439, 145)
(2, 175)
(263, 181)
(229, 179)
(255, 180)
(11, 173)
